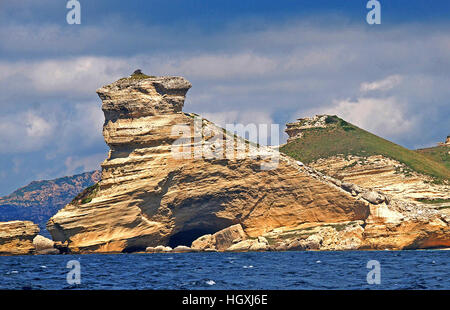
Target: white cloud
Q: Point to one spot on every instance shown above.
(75, 164)
(24, 132)
(88, 123)
(383, 116)
(262, 73)
(70, 76)
(384, 84)
(37, 127)
(239, 117)
(258, 118)
(235, 65)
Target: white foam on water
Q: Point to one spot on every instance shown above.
(210, 282)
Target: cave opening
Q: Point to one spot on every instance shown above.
(186, 237)
(133, 249)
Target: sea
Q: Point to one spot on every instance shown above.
(395, 270)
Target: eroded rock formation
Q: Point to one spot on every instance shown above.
(148, 197)
(16, 237)
(157, 189)
(386, 175)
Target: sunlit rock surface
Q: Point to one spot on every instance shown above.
(147, 197)
(16, 237)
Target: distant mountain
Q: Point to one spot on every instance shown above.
(40, 200)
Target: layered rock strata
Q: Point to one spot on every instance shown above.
(150, 196)
(171, 177)
(16, 237)
(386, 175)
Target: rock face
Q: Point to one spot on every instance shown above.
(348, 153)
(148, 197)
(16, 237)
(295, 129)
(44, 246)
(226, 237)
(385, 175)
(221, 240)
(254, 245)
(172, 177)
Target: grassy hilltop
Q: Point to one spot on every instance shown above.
(341, 137)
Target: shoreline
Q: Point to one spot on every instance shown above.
(228, 252)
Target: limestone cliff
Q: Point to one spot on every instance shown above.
(171, 177)
(408, 190)
(387, 175)
(16, 237)
(148, 197)
(351, 154)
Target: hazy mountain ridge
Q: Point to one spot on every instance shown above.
(40, 200)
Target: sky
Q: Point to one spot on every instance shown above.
(259, 62)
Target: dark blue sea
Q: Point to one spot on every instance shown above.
(252, 271)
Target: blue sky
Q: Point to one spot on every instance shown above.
(248, 61)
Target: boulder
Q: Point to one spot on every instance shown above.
(221, 240)
(313, 242)
(279, 247)
(182, 249)
(162, 249)
(226, 237)
(295, 245)
(248, 245)
(41, 243)
(351, 188)
(373, 197)
(258, 246)
(204, 243)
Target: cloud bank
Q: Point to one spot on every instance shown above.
(392, 81)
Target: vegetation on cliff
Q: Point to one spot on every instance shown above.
(440, 154)
(86, 195)
(339, 137)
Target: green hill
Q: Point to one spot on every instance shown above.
(341, 137)
(439, 154)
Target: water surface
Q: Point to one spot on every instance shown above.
(268, 270)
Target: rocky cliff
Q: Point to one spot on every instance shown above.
(350, 154)
(16, 237)
(171, 177)
(147, 196)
